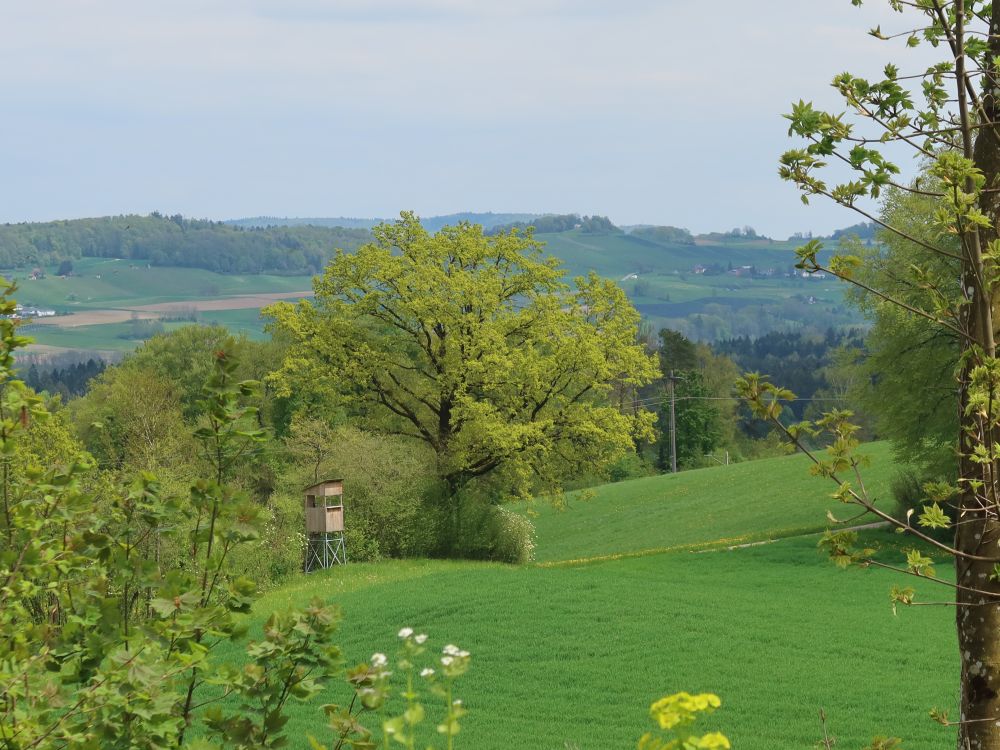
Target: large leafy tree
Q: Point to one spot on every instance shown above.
(697, 421)
(947, 115)
(475, 346)
(907, 382)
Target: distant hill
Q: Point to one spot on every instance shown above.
(175, 241)
(488, 220)
(709, 286)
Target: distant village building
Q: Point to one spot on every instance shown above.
(21, 312)
(743, 271)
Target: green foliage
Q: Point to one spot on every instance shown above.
(387, 482)
(109, 644)
(475, 347)
(698, 422)
(293, 660)
(62, 379)
(676, 352)
(629, 466)
(378, 690)
(490, 532)
(906, 355)
(550, 223)
(131, 420)
(910, 497)
(804, 363)
(665, 235)
(174, 241)
(185, 357)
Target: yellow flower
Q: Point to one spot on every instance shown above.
(682, 708)
(713, 741)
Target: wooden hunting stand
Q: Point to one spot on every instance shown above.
(325, 525)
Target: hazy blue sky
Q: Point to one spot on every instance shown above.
(648, 111)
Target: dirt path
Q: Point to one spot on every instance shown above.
(158, 310)
(862, 527)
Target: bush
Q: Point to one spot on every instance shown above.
(387, 482)
(492, 532)
(515, 537)
(907, 490)
(107, 643)
(280, 551)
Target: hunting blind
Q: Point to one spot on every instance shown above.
(325, 524)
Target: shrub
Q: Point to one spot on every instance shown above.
(387, 486)
(106, 644)
(492, 532)
(280, 551)
(629, 466)
(908, 492)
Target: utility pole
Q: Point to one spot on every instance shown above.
(672, 379)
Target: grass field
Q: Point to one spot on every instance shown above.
(729, 505)
(113, 336)
(660, 281)
(105, 284)
(100, 283)
(573, 652)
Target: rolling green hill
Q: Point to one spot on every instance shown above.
(719, 506)
(704, 289)
(102, 283)
(571, 654)
(663, 282)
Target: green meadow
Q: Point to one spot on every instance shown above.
(116, 336)
(102, 283)
(636, 594)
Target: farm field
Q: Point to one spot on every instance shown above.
(569, 652)
(659, 279)
(97, 304)
(102, 283)
(103, 293)
(114, 337)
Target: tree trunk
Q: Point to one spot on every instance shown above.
(978, 531)
(978, 620)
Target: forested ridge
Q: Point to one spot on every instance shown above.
(177, 241)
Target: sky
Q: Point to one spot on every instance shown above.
(647, 111)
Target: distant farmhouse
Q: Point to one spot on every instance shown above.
(21, 312)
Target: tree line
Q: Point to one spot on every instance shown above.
(176, 241)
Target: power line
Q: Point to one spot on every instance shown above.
(659, 399)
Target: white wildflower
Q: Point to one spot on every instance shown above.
(426, 672)
(450, 650)
(406, 632)
(446, 661)
(421, 638)
(379, 660)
